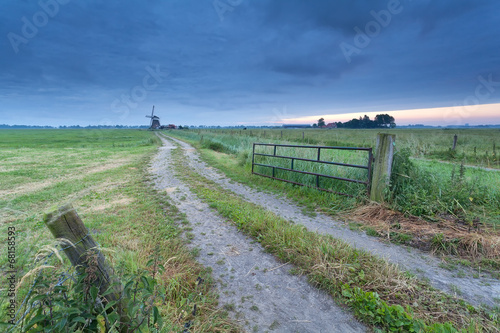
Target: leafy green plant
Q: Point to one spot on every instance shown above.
(370, 307)
(58, 302)
(390, 318)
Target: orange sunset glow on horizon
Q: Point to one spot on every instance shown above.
(485, 114)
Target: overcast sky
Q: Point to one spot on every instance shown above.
(224, 62)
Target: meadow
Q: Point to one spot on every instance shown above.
(418, 152)
(449, 190)
(103, 174)
(474, 146)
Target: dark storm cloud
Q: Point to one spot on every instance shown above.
(335, 15)
(93, 56)
(344, 15)
(89, 48)
(430, 13)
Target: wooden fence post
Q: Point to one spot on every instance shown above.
(65, 224)
(382, 166)
(455, 137)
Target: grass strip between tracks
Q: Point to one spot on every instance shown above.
(378, 292)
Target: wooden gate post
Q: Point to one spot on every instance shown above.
(382, 166)
(65, 224)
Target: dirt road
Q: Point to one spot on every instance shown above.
(256, 289)
(463, 283)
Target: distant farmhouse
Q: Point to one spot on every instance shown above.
(331, 125)
(296, 126)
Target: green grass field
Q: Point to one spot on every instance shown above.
(474, 146)
(442, 193)
(102, 173)
(432, 188)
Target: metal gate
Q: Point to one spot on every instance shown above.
(294, 169)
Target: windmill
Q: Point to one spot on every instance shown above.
(155, 120)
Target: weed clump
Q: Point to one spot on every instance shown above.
(419, 192)
(71, 301)
(442, 216)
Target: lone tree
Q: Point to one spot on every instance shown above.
(384, 120)
(321, 122)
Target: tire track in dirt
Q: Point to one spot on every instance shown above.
(254, 287)
(477, 291)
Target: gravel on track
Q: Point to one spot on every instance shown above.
(463, 283)
(256, 289)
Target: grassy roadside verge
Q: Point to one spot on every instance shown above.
(458, 239)
(104, 177)
(379, 294)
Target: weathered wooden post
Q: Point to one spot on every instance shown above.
(65, 224)
(79, 246)
(382, 166)
(455, 137)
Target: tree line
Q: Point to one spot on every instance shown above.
(380, 121)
